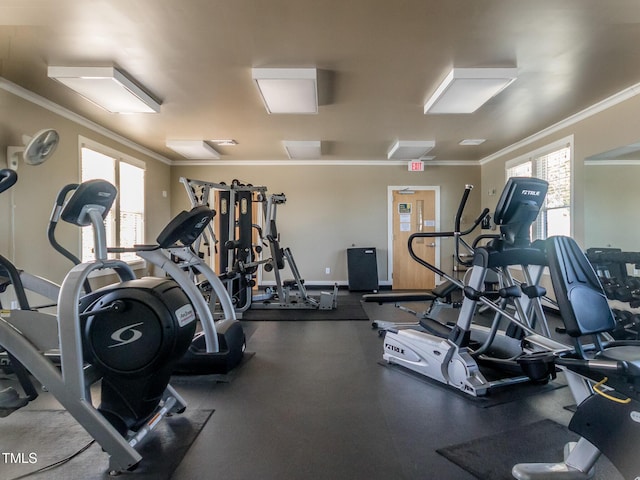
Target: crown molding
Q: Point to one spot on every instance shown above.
(609, 102)
(36, 99)
(314, 163)
(594, 109)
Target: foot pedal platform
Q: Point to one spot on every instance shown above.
(555, 471)
(10, 401)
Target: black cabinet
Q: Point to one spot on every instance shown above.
(362, 268)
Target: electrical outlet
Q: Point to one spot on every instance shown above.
(327, 271)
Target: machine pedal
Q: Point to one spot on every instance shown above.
(10, 401)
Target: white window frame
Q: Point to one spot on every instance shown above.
(84, 142)
(566, 142)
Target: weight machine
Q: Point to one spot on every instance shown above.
(239, 245)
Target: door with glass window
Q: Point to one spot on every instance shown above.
(413, 211)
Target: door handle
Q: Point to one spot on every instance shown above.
(432, 245)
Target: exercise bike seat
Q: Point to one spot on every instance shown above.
(628, 355)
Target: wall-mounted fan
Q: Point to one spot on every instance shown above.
(36, 149)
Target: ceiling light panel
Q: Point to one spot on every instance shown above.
(226, 142)
(303, 150)
(287, 90)
(472, 141)
(464, 90)
(410, 150)
(107, 87)
(193, 149)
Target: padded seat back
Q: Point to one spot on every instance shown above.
(581, 299)
(277, 251)
(186, 227)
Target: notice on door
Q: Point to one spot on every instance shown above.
(404, 208)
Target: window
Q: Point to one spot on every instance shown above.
(552, 164)
(125, 222)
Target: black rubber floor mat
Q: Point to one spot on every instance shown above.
(492, 457)
(40, 438)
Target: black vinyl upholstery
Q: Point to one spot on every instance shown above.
(585, 310)
(581, 299)
(186, 226)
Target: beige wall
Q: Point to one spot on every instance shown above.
(612, 213)
(38, 186)
(331, 208)
(611, 128)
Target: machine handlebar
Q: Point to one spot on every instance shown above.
(463, 202)
(456, 233)
(8, 178)
(53, 222)
(613, 366)
(59, 202)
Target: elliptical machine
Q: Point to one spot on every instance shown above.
(446, 295)
(219, 346)
(452, 355)
(129, 335)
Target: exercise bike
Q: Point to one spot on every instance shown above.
(220, 344)
(604, 377)
(128, 335)
(453, 354)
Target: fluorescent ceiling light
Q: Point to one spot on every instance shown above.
(193, 149)
(472, 141)
(465, 90)
(226, 142)
(303, 150)
(410, 150)
(287, 90)
(107, 87)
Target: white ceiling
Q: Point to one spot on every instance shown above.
(380, 60)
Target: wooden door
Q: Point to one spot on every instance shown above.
(413, 211)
